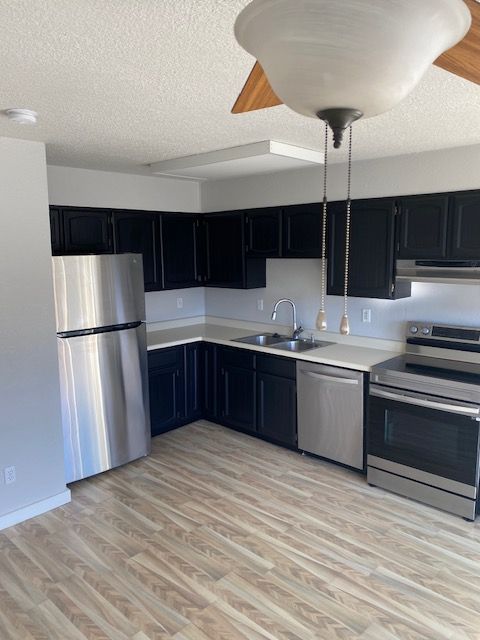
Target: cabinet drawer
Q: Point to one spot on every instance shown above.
(231, 357)
(277, 366)
(160, 358)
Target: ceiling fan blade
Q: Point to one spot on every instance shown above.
(464, 59)
(256, 93)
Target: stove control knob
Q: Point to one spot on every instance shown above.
(414, 330)
(425, 331)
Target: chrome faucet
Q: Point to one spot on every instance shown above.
(296, 329)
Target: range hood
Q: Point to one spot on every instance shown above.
(441, 271)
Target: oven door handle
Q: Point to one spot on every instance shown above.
(474, 412)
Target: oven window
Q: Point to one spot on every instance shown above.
(437, 442)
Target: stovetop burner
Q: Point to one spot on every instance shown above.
(440, 359)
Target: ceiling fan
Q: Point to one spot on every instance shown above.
(462, 60)
(342, 60)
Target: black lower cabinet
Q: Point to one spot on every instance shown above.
(166, 389)
(210, 381)
(237, 392)
(277, 400)
(254, 393)
(194, 400)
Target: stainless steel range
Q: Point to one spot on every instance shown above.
(424, 419)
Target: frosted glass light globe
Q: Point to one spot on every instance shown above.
(354, 54)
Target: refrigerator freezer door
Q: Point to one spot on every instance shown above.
(98, 291)
(104, 391)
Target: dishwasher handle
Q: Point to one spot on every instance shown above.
(325, 378)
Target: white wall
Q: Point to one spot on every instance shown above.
(448, 170)
(87, 188)
(300, 280)
(30, 421)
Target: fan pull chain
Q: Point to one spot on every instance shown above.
(322, 315)
(344, 324)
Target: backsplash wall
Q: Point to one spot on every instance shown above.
(162, 305)
(300, 281)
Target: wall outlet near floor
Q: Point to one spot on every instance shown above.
(179, 303)
(260, 305)
(10, 475)
(366, 315)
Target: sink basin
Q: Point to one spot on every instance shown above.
(263, 339)
(297, 346)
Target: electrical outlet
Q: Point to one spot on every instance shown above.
(366, 315)
(260, 305)
(10, 475)
(179, 303)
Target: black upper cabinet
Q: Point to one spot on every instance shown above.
(264, 232)
(226, 261)
(237, 388)
(465, 225)
(424, 227)
(56, 231)
(302, 231)
(372, 250)
(87, 231)
(137, 232)
(166, 389)
(179, 250)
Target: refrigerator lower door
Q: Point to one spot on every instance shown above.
(104, 389)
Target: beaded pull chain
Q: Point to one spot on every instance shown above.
(322, 315)
(344, 324)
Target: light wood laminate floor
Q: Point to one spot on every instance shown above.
(218, 536)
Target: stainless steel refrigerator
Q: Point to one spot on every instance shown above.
(102, 351)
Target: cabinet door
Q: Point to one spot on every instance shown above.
(237, 388)
(225, 245)
(277, 408)
(193, 381)
(136, 232)
(302, 231)
(179, 251)
(372, 254)
(263, 232)
(87, 231)
(166, 388)
(210, 381)
(465, 237)
(56, 231)
(424, 227)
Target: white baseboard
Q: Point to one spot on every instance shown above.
(35, 509)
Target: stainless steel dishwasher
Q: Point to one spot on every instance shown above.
(331, 413)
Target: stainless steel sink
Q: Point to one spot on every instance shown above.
(297, 346)
(263, 339)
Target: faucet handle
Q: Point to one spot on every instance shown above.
(297, 332)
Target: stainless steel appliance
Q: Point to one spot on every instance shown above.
(331, 413)
(448, 271)
(100, 313)
(423, 428)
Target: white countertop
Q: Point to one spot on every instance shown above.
(339, 355)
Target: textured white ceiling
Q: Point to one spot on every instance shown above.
(119, 84)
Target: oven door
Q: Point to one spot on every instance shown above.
(425, 438)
